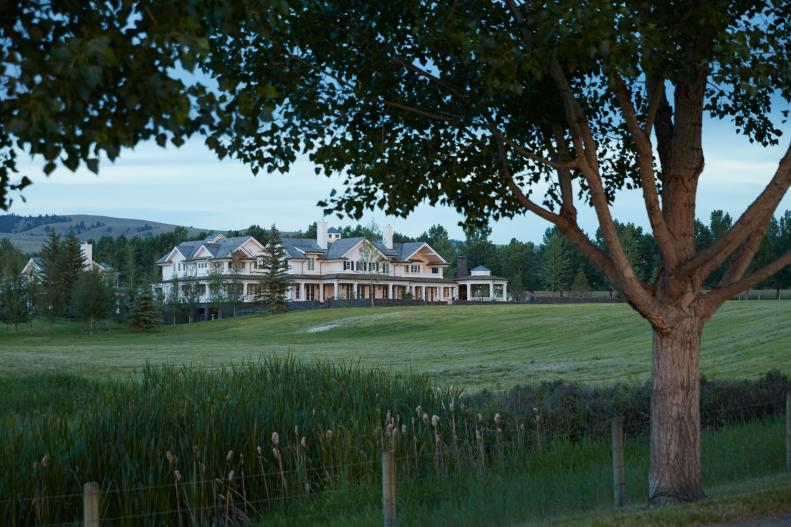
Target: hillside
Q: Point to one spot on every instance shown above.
(29, 232)
(472, 346)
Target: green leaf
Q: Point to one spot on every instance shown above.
(93, 165)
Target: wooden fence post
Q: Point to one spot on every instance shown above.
(788, 430)
(617, 462)
(90, 504)
(389, 488)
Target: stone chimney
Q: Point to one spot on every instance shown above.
(387, 236)
(321, 233)
(87, 254)
(461, 267)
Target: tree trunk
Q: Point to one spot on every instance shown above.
(675, 472)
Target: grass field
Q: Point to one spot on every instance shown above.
(473, 346)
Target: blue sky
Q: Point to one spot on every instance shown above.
(190, 186)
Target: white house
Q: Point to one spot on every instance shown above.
(33, 266)
(329, 267)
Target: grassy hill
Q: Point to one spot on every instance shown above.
(473, 346)
(29, 236)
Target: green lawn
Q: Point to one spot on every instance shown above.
(473, 346)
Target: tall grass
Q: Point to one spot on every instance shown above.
(179, 446)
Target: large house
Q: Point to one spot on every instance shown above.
(329, 267)
(33, 268)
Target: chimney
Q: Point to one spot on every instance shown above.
(387, 236)
(87, 254)
(461, 267)
(321, 233)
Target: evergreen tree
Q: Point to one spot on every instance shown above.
(50, 299)
(70, 264)
(92, 299)
(580, 285)
(556, 263)
(173, 307)
(274, 284)
(144, 315)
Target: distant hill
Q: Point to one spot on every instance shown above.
(28, 233)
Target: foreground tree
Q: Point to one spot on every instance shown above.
(469, 103)
(273, 286)
(472, 103)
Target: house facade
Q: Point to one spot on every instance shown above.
(33, 267)
(328, 268)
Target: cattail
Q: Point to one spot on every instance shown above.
(478, 436)
(230, 476)
(435, 421)
(276, 453)
(452, 406)
(390, 429)
(258, 449)
(480, 418)
(328, 435)
(303, 442)
(498, 419)
(403, 429)
(229, 456)
(170, 457)
(45, 461)
(177, 475)
(419, 410)
(275, 438)
(425, 419)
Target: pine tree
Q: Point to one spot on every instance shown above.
(580, 285)
(50, 300)
(70, 264)
(556, 263)
(144, 314)
(92, 298)
(274, 285)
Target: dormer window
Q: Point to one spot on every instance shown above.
(311, 264)
(414, 268)
(348, 265)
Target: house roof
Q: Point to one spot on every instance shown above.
(297, 247)
(481, 268)
(333, 230)
(223, 248)
(479, 277)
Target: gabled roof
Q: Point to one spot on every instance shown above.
(481, 268)
(298, 247)
(333, 230)
(223, 248)
(339, 248)
(407, 250)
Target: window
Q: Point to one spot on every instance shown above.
(348, 266)
(414, 268)
(311, 292)
(259, 263)
(311, 264)
(385, 267)
(295, 289)
(435, 270)
(202, 265)
(361, 265)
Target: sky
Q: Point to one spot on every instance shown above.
(190, 186)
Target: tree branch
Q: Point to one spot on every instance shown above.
(757, 214)
(720, 294)
(645, 161)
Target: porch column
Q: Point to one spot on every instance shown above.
(321, 292)
(302, 291)
(355, 290)
(335, 289)
(491, 290)
(390, 290)
(505, 292)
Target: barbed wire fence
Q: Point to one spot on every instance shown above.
(232, 504)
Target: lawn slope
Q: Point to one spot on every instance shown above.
(474, 346)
